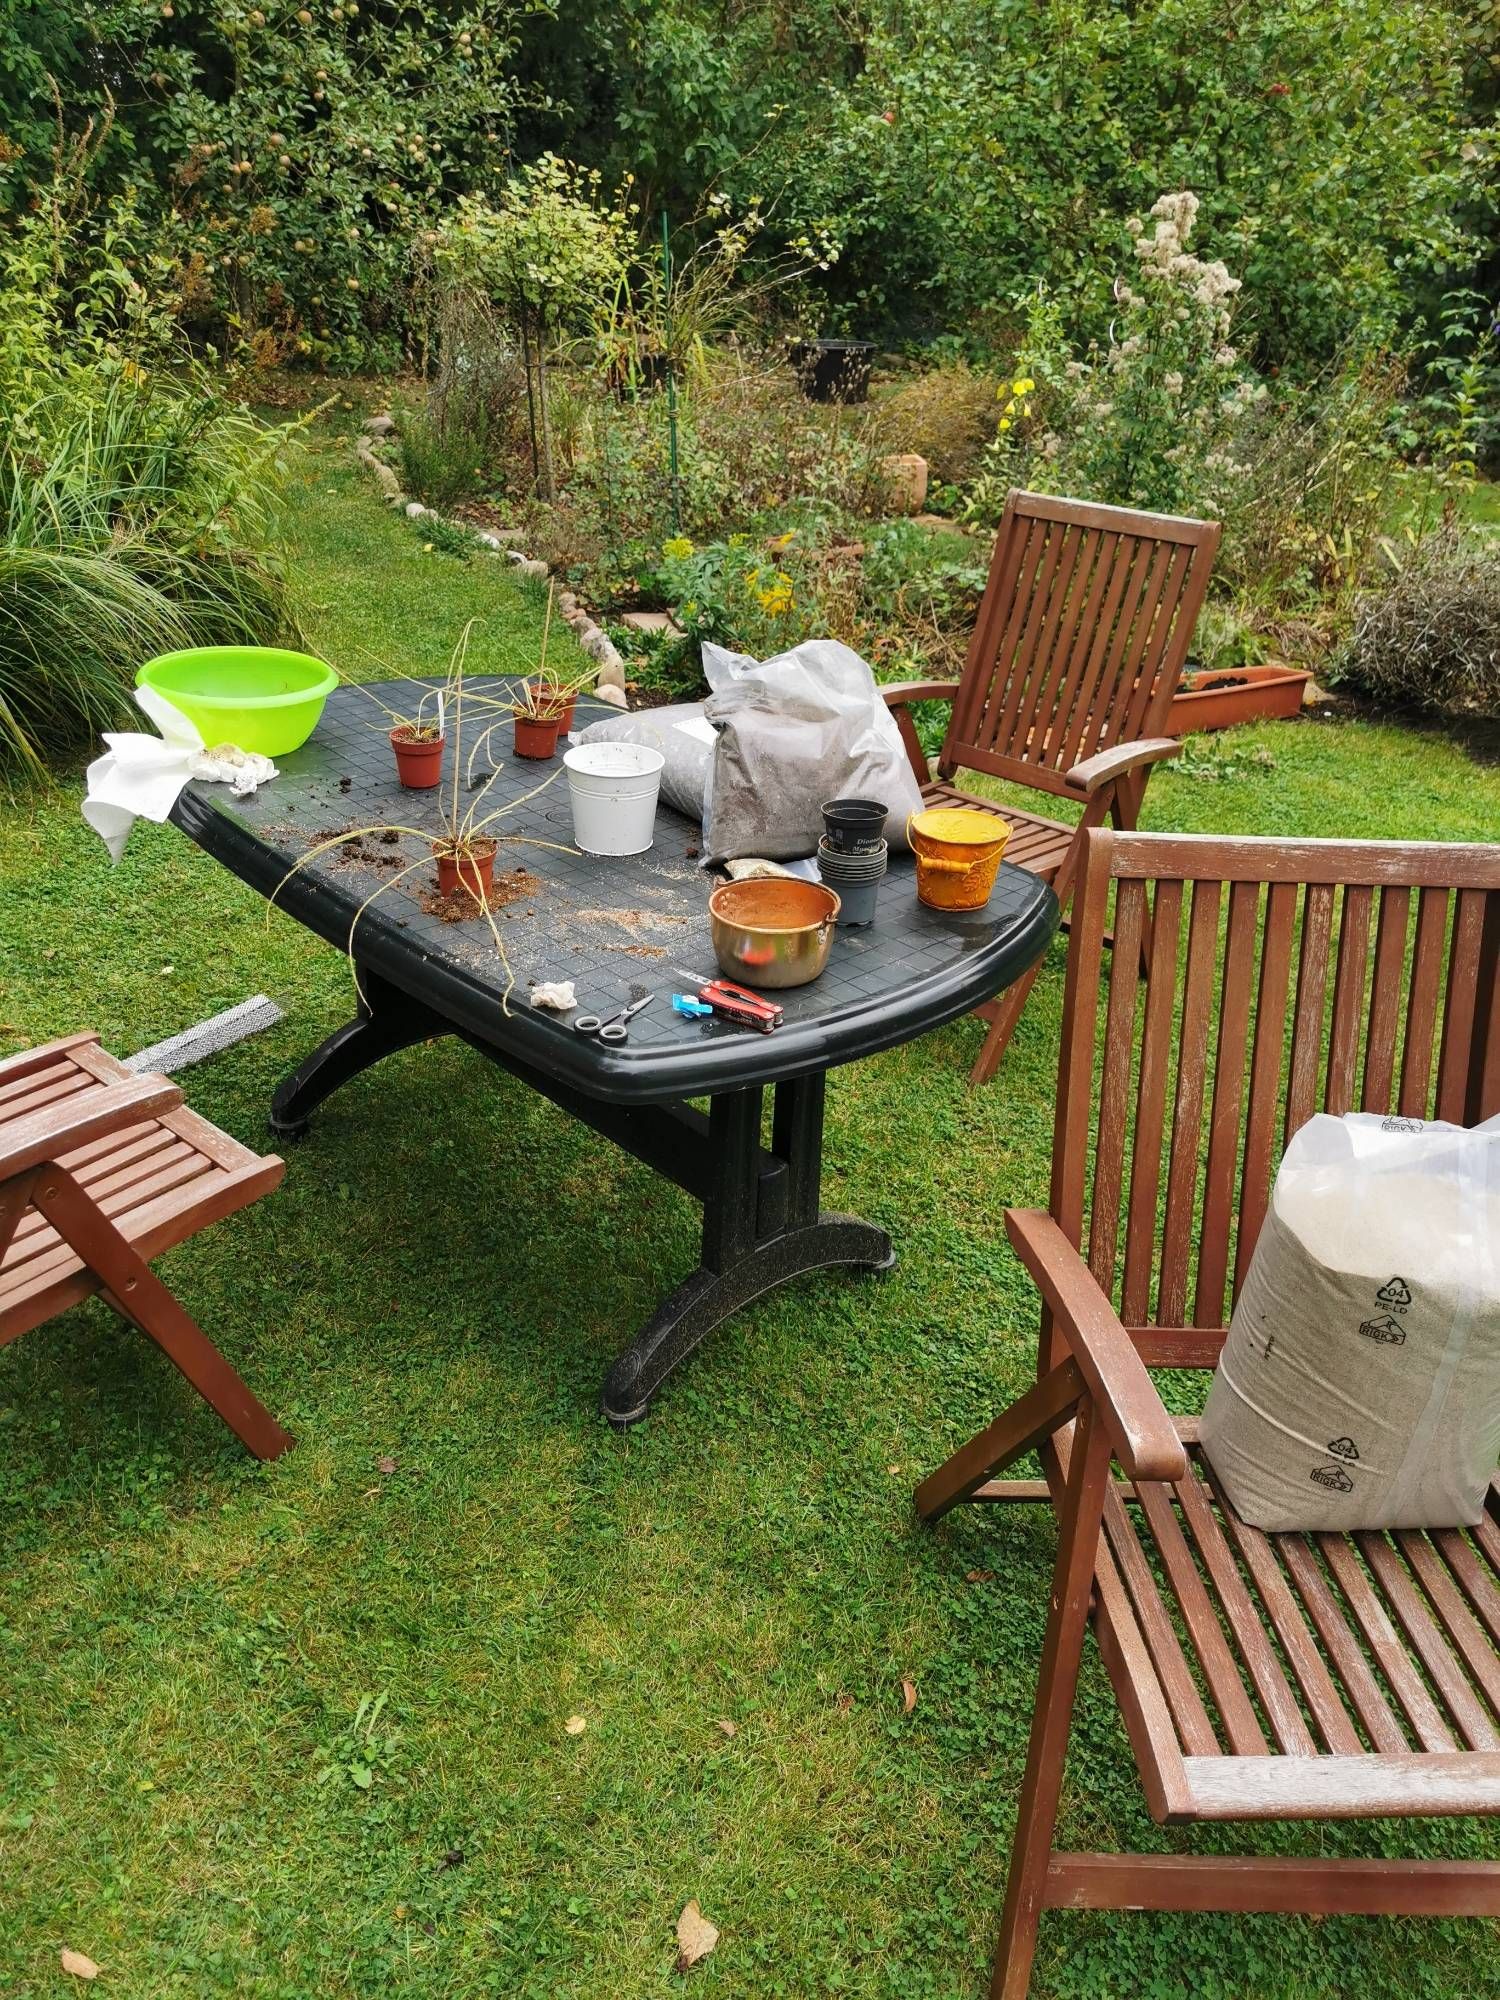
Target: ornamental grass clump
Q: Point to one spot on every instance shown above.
(130, 513)
(135, 497)
(1430, 637)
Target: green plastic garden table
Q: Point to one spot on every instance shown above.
(618, 929)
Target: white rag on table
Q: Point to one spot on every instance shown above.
(139, 776)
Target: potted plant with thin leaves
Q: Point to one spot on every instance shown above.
(418, 741)
(544, 706)
(463, 847)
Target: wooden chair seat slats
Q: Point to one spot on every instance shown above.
(166, 1178)
(1077, 651)
(1408, 1603)
(1298, 1676)
(100, 1207)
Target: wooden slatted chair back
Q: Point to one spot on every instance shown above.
(1081, 637)
(1280, 978)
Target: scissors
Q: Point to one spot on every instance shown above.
(612, 1028)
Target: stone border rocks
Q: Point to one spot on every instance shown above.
(592, 640)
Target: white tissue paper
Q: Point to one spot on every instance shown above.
(139, 776)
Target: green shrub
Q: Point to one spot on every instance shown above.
(1166, 414)
(1430, 637)
(1341, 151)
(1153, 416)
(284, 158)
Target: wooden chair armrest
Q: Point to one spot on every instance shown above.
(1145, 1440)
(1106, 765)
(896, 694)
(58, 1128)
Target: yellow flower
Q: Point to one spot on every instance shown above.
(781, 541)
(778, 596)
(1005, 423)
(1024, 387)
(678, 548)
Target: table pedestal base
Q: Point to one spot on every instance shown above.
(761, 1219)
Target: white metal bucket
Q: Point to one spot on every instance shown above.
(613, 788)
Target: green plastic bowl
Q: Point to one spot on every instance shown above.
(252, 696)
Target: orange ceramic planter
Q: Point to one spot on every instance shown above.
(1239, 694)
(958, 854)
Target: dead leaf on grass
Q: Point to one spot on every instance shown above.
(696, 1937)
(725, 1727)
(844, 1703)
(576, 1724)
(908, 1697)
(386, 1465)
(82, 1966)
(979, 1576)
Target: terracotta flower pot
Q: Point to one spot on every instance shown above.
(561, 703)
(419, 765)
(1237, 694)
(536, 735)
(470, 873)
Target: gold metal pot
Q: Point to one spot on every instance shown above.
(774, 932)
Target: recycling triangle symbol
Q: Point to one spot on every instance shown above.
(1397, 1293)
(1342, 1448)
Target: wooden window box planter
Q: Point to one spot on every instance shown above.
(1220, 699)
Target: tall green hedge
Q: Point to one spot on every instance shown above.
(287, 158)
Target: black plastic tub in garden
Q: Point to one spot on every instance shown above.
(833, 371)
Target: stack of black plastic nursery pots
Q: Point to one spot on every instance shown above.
(853, 855)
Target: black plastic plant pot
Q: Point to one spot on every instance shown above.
(857, 902)
(833, 371)
(854, 826)
(855, 879)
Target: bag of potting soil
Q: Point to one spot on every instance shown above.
(788, 734)
(795, 731)
(1359, 1386)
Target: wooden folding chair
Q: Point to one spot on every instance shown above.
(1259, 1676)
(1077, 652)
(101, 1170)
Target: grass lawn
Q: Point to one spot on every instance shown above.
(299, 1732)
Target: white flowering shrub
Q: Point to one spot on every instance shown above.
(1159, 415)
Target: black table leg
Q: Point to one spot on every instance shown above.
(388, 1019)
(761, 1226)
(761, 1219)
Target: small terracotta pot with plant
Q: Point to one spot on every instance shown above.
(418, 743)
